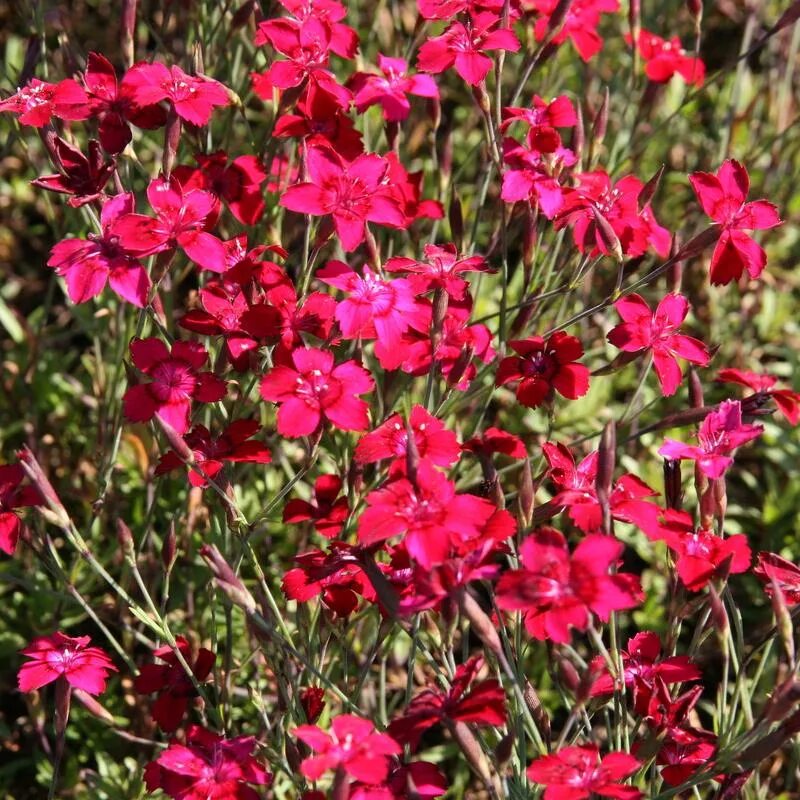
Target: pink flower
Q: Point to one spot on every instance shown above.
(577, 772)
(173, 685)
(720, 433)
(723, 197)
(642, 329)
(665, 57)
(579, 25)
(787, 401)
(59, 655)
(466, 45)
(87, 265)
(343, 39)
(37, 102)
(390, 90)
(352, 193)
(13, 495)
(207, 767)
(558, 591)
(543, 366)
(352, 745)
(327, 509)
(194, 97)
(176, 380)
(182, 220)
(311, 390)
(375, 308)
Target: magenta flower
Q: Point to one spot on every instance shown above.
(62, 656)
(558, 591)
(643, 329)
(720, 433)
(194, 97)
(310, 390)
(787, 401)
(578, 772)
(176, 380)
(466, 45)
(723, 197)
(88, 265)
(389, 90)
(37, 102)
(352, 745)
(773, 569)
(352, 193)
(579, 24)
(13, 495)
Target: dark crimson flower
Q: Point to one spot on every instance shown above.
(543, 366)
(390, 440)
(174, 687)
(176, 380)
(13, 495)
(389, 90)
(194, 97)
(663, 58)
(577, 772)
(723, 197)
(310, 390)
(37, 102)
(643, 329)
(207, 767)
(234, 445)
(417, 779)
(441, 269)
(682, 758)
(87, 265)
(352, 744)
(352, 193)
(787, 401)
(327, 510)
(495, 440)
(182, 220)
(771, 568)
(542, 120)
(374, 308)
(720, 433)
(558, 591)
(61, 656)
(579, 24)
(312, 698)
(81, 177)
(465, 45)
(482, 703)
(701, 555)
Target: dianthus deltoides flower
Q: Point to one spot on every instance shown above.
(59, 655)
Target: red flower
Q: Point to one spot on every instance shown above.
(558, 591)
(544, 365)
(771, 568)
(642, 329)
(81, 177)
(390, 90)
(327, 509)
(542, 121)
(352, 745)
(193, 97)
(665, 57)
(353, 193)
(577, 772)
(59, 655)
(13, 495)
(787, 401)
(173, 685)
(482, 704)
(176, 380)
(579, 25)
(37, 102)
(723, 197)
(182, 220)
(234, 445)
(466, 45)
(495, 440)
(207, 767)
(720, 433)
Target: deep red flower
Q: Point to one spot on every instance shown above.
(465, 45)
(59, 655)
(314, 315)
(207, 767)
(417, 779)
(558, 591)
(37, 102)
(82, 177)
(13, 495)
(310, 390)
(723, 197)
(643, 329)
(352, 744)
(720, 433)
(174, 687)
(579, 24)
(663, 58)
(327, 509)
(577, 772)
(543, 366)
(495, 440)
(390, 89)
(312, 698)
(194, 97)
(176, 380)
(787, 401)
(771, 568)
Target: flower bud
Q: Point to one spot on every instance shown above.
(125, 539)
(57, 513)
(227, 580)
(169, 550)
(93, 706)
(526, 494)
(783, 621)
(128, 32)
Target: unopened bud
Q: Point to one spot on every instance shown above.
(696, 399)
(93, 706)
(172, 138)
(128, 32)
(227, 580)
(169, 550)
(479, 621)
(58, 514)
(125, 539)
(504, 748)
(534, 704)
(607, 235)
(719, 616)
(242, 15)
(600, 124)
(460, 365)
(526, 494)
(568, 675)
(456, 216)
(672, 484)
(783, 621)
